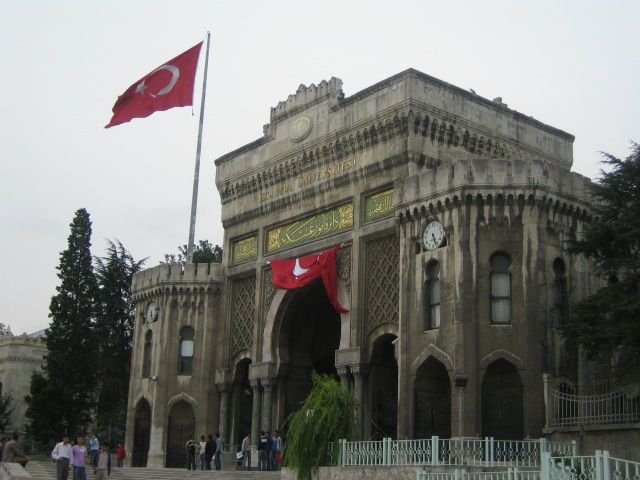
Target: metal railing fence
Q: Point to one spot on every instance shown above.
(603, 403)
(438, 451)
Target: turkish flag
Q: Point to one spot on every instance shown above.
(168, 86)
(298, 272)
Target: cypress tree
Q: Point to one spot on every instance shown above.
(69, 376)
(606, 324)
(114, 330)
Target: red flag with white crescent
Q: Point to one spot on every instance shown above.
(168, 86)
(298, 272)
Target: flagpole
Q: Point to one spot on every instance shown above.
(196, 175)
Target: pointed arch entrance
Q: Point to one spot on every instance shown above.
(308, 338)
(243, 401)
(432, 400)
(141, 434)
(502, 402)
(383, 384)
(181, 427)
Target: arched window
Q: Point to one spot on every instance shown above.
(433, 296)
(186, 350)
(500, 290)
(146, 357)
(560, 300)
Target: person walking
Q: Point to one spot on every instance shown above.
(218, 454)
(62, 455)
(192, 447)
(79, 459)
(102, 463)
(209, 450)
(277, 450)
(201, 451)
(94, 446)
(121, 454)
(262, 452)
(246, 452)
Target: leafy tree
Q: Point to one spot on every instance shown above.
(69, 380)
(607, 323)
(204, 252)
(327, 415)
(114, 333)
(3, 329)
(5, 411)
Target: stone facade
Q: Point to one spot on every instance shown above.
(20, 356)
(446, 335)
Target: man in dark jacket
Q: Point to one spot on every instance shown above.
(209, 450)
(102, 463)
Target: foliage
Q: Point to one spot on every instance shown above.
(114, 331)
(607, 324)
(90, 337)
(45, 410)
(5, 411)
(3, 328)
(204, 252)
(327, 415)
(72, 349)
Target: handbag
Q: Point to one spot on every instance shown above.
(279, 458)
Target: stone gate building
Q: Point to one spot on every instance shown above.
(451, 210)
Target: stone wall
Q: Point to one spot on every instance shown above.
(20, 356)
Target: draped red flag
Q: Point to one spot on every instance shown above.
(168, 86)
(298, 272)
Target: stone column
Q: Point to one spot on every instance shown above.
(225, 391)
(255, 414)
(345, 379)
(356, 371)
(267, 385)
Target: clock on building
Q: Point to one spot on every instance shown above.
(152, 313)
(433, 235)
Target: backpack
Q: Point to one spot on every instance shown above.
(191, 448)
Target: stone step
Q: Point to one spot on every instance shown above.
(40, 470)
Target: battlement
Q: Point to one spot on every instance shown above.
(482, 176)
(9, 338)
(175, 273)
(305, 97)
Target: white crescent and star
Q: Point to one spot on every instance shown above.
(298, 270)
(175, 75)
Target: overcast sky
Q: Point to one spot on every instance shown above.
(570, 64)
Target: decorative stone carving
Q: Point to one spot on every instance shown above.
(269, 288)
(343, 259)
(382, 278)
(243, 305)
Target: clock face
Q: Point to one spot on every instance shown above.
(433, 235)
(152, 313)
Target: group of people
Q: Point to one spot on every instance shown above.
(269, 451)
(206, 450)
(77, 457)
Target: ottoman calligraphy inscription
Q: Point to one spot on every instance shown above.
(378, 205)
(310, 228)
(245, 249)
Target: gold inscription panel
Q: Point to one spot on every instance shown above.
(244, 250)
(310, 228)
(378, 205)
